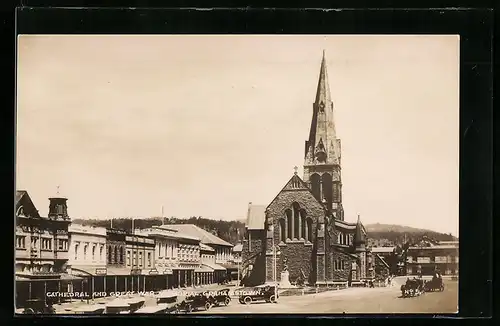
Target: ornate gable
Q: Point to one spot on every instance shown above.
(24, 205)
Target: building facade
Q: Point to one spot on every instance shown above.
(222, 249)
(303, 228)
(140, 260)
(428, 256)
(42, 245)
(87, 255)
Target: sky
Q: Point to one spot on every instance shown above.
(203, 125)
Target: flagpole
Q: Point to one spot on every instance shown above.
(162, 216)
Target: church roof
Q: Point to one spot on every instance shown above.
(359, 236)
(256, 217)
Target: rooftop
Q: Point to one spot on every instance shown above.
(197, 232)
(256, 217)
(238, 248)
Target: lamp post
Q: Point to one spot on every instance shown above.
(275, 279)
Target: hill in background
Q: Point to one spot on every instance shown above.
(233, 231)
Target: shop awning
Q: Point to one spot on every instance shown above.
(230, 266)
(214, 266)
(62, 277)
(204, 269)
(118, 271)
(89, 270)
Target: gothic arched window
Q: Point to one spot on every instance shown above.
(282, 229)
(326, 180)
(303, 225)
(309, 230)
(289, 222)
(116, 255)
(316, 185)
(296, 221)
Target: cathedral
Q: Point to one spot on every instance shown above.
(303, 230)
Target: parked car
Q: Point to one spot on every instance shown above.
(171, 300)
(158, 309)
(268, 293)
(195, 302)
(221, 297)
(118, 307)
(90, 310)
(38, 306)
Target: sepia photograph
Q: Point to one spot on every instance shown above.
(237, 174)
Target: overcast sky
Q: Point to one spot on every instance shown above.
(205, 124)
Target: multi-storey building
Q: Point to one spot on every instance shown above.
(222, 248)
(427, 256)
(303, 228)
(116, 270)
(140, 255)
(41, 248)
(87, 255)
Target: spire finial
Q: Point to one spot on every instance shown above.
(359, 218)
(295, 168)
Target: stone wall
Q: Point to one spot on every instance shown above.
(254, 255)
(300, 254)
(339, 275)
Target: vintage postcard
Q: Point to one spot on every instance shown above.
(189, 174)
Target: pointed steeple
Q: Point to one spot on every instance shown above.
(322, 149)
(323, 90)
(359, 236)
(322, 131)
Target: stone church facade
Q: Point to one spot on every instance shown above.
(303, 227)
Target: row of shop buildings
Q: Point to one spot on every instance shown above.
(425, 257)
(54, 255)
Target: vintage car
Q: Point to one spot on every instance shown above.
(118, 306)
(266, 292)
(90, 310)
(412, 287)
(435, 284)
(171, 300)
(135, 303)
(195, 302)
(220, 297)
(158, 309)
(38, 306)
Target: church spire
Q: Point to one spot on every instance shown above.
(323, 90)
(322, 149)
(322, 144)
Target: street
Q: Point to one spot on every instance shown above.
(353, 301)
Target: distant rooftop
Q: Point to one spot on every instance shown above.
(195, 231)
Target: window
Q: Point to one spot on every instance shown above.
(76, 251)
(149, 259)
(128, 257)
(20, 242)
(140, 258)
(101, 250)
(121, 255)
(47, 244)
(134, 258)
(85, 252)
(109, 254)
(116, 254)
(93, 252)
(61, 244)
